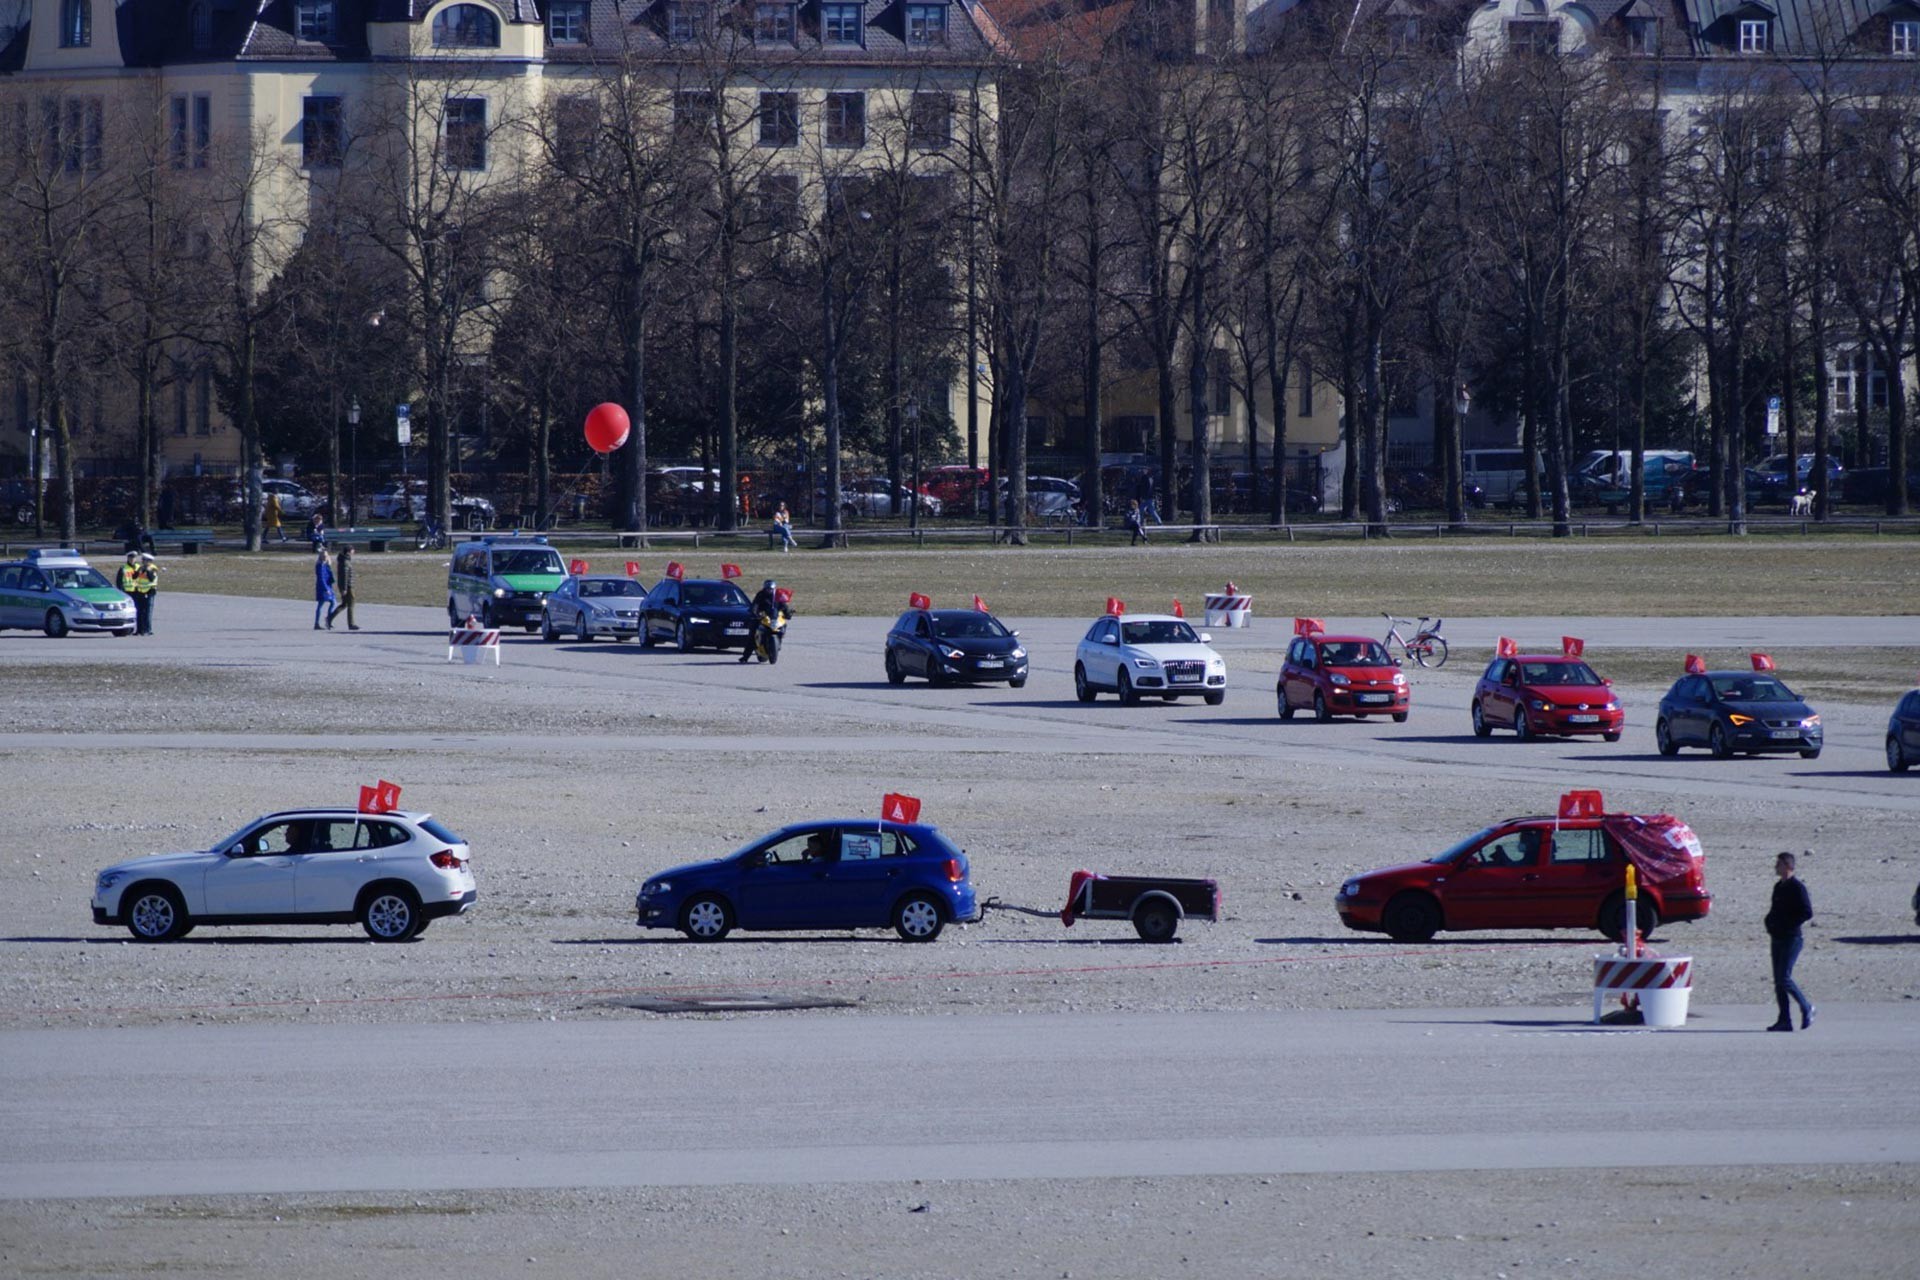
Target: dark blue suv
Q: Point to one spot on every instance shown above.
(849, 873)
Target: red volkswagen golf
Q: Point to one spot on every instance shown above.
(1341, 676)
(1537, 873)
(1545, 694)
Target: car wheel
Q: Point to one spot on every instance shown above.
(1019, 682)
(55, 623)
(1897, 761)
(1810, 754)
(1127, 696)
(1719, 742)
(1411, 917)
(1280, 697)
(1081, 689)
(1663, 739)
(1522, 730)
(1400, 717)
(706, 918)
(918, 918)
(1610, 737)
(154, 913)
(390, 914)
(646, 635)
(126, 632)
(1614, 908)
(1481, 729)
(1216, 696)
(547, 632)
(581, 633)
(683, 638)
(453, 614)
(1320, 710)
(1156, 921)
(894, 674)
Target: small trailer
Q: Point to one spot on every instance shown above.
(1155, 904)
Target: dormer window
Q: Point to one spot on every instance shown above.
(1756, 35)
(200, 25)
(76, 24)
(1906, 39)
(567, 21)
(926, 24)
(840, 23)
(466, 26)
(1643, 36)
(688, 21)
(773, 22)
(1539, 37)
(313, 20)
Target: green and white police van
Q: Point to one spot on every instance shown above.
(503, 580)
(58, 592)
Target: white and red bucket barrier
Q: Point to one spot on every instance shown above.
(472, 643)
(1229, 608)
(1659, 986)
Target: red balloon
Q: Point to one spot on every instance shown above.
(607, 427)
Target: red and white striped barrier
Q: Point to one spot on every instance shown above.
(473, 644)
(1660, 985)
(1225, 610)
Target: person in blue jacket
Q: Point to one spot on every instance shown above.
(322, 588)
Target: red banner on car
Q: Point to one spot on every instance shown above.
(1504, 647)
(633, 568)
(979, 605)
(1307, 626)
(1582, 804)
(1115, 606)
(577, 567)
(895, 807)
(915, 600)
(1179, 610)
(729, 571)
(1573, 646)
(382, 797)
(676, 570)
(1761, 662)
(1696, 665)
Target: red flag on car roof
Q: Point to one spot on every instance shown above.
(979, 605)
(383, 797)
(1504, 647)
(1115, 606)
(1307, 626)
(729, 571)
(915, 600)
(676, 570)
(1582, 804)
(577, 567)
(633, 568)
(1761, 662)
(1179, 610)
(895, 807)
(1573, 646)
(1696, 666)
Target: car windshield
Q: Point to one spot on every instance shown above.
(1454, 853)
(1576, 673)
(528, 560)
(712, 593)
(610, 587)
(968, 626)
(1755, 688)
(1354, 653)
(1164, 631)
(76, 579)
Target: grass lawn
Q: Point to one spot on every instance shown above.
(1643, 577)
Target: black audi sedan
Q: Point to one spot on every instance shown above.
(1903, 734)
(956, 645)
(1736, 711)
(699, 612)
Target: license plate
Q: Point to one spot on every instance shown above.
(737, 629)
(990, 662)
(1186, 679)
(1783, 733)
(1583, 719)
(1376, 697)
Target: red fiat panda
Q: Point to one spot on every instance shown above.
(1341, 676)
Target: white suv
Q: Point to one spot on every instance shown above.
(1153, 655)
(392, 872)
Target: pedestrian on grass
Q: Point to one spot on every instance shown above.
(344, 577)
(322, 586)
(1792, 908)
(1144, 494)
(317, 531)
(270, 517)
(783, 525)
(1135, 526)
(146, 582)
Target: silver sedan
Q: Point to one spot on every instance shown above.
(589, 605)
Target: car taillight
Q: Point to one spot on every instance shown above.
(954, 871)
(447, 860)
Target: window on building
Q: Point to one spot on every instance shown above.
(1643, 36)
(1756, 35)
(1842, 382)
(76, 24)
(1538, 37)
(200, 24)
(930, 121)
(182, 378)
(779, 119)
(841, 24)
(203, 401)
(177, 131)
(846, 119)
(313, 20)
(77, 134)
(926, 24)
(777, 201)
(576, 123)
(689, 21)
(694, 110)
(1906, 39)
(1219, 383)
(320, 133)
(773, 22)
(466, 26)
(202, 129)
(567, 22)
(465, 143)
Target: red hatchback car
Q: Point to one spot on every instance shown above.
(1545, 694)
(1537, 873)
(1341, 676)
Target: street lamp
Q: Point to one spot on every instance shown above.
(353, 460)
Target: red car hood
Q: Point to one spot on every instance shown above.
(1564, 695)
(1406, 873)
(1360, 675)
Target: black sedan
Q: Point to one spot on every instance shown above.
(1903, 734)
(699, 612)
(954, 644)
(1736, 711)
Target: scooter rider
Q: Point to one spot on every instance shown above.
(765, 608)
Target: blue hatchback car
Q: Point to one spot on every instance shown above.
(850, 873)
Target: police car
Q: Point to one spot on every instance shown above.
(503, 579)
(58, 592)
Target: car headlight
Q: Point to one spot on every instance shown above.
(697, 622)
(499, 592)
(948, 651)
(1611, 706)
(108, 879)
(1811, 722)
(1337, 678)
(657, 886)
(1538, 704)
(1399, 677)
(1735, 719)
(1018, 653)
(1351, 889)
(1147, 664)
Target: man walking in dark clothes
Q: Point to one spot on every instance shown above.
(1791, 908)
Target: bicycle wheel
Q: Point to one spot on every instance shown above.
(1429, 651)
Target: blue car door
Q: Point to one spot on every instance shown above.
(868, 877)
(786, 884)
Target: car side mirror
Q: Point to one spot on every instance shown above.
(1113, 640)
(1606, 681)
(1016, 635)
(1206, 637)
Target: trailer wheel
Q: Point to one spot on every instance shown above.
(1156, 921)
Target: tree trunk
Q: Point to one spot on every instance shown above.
(1169, 486)
(1897, 416)
(727, 419)
(830, 395)
(64, 468)
(251, 459)
(543, 457)
(1736, 425)
(896, 372)
(1093, 500)
(1822, 398)
(1637, 390)
(632, 456)
(148, 432)
(1446, 413)
(1198, 406)
(1373, 424)
(1350, 432)
(1561, 433)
